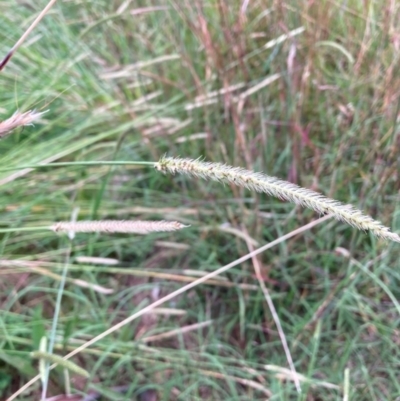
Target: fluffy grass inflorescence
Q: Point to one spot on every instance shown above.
(18, 120)
(276, 187)
(117, 226)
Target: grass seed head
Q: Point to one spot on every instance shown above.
(117, 226)
(18, 120)
(273, 186)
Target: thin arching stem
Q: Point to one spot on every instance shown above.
(7, 58)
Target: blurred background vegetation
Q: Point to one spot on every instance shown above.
(307, 91)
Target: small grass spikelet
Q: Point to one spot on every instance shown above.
(117, 226)
(273, 186)
(18, 120)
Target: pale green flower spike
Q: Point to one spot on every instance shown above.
(274, 186)
(117, 226)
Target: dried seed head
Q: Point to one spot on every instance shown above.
(117, 226)
(275, 187)
(17, 120)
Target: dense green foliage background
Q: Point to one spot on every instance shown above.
(134, 80)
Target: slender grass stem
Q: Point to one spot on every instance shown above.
(57, 309)
(79, 164)
(7, 58)
(24, 229)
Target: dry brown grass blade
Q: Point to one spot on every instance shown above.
(9, 266)
(7, 58)
(285, 374)
(78, 282)
(176, 332)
